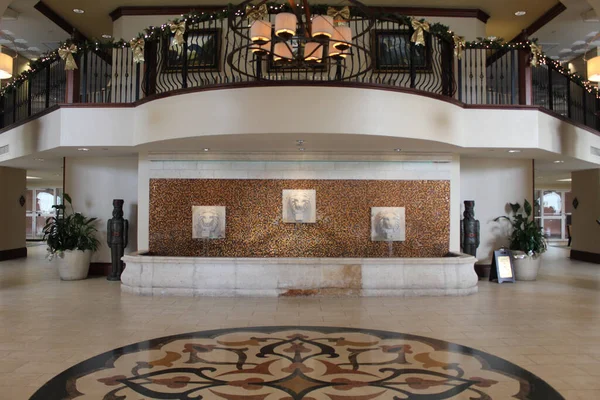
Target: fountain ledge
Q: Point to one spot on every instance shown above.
(272, 277)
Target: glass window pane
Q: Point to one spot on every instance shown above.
(552, 203)
(29, 227)
(552, 228)
(45, 200)
(39, 229)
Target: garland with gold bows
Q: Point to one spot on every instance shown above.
(340, 15)
(137, 46)
(420, 28)
(66, 53)
(154, 33)
(256, 13)
(178, 30)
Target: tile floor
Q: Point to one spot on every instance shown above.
(550, 327)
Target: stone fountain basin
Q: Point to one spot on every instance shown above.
(453, 275)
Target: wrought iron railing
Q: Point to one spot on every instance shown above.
(506, 77)
(219, 52)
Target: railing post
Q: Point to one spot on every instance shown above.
(568, 97)
(596, 113)
(551, 90)
(84, 82)
(29, 96)
(73, 85)
(525, 78)
(584, 102)
(184, 67)
(2, 102)
(138, 82)
(14, 104)
(413, 69)
(460, 76)
(447, 68)
(47, 99)
(150, 66)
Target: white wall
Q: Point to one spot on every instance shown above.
(12, 214)
(93, 183)
(493, 183)
(191, 167)
(585, 230)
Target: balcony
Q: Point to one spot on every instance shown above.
(218, 54)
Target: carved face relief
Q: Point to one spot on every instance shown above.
(208, 222)
(388, 224)
(299, 206)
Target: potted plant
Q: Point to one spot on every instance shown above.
(71, 238)
(526, 241)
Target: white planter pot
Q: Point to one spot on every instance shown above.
(75, 265)
(526, 267)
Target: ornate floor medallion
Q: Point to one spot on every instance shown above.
(292, 363)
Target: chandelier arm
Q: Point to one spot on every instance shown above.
(307, 14)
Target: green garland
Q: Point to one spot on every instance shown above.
(154, 33)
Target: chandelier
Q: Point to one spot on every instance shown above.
(296, 39)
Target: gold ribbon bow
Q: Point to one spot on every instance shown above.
(418, 37)
(179, 31)
(66, 53)
(341, 15)
(137, 45)
(536, 52)
(258, 13)
(459, 46)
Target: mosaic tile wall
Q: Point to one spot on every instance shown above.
(254, 218)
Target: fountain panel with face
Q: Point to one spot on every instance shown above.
(388, 224)
(208, 222)
(299, 206)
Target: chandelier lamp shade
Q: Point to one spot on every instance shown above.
(285, 25)
(6, 66)
(260, 32)
(313, 51)
(282, 52)
(342, 37)
(593, 69)
(322, 26)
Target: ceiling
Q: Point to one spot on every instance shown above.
(27, 31)
(567, 36)
(503, 22)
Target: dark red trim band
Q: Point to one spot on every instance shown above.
(414, 11)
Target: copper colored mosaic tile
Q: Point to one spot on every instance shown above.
(255, 227)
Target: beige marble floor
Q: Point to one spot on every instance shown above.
(550, 327)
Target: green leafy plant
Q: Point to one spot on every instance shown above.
(526, 235)
(69, 231)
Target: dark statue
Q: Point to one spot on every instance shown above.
(469, 230)
(117, 239)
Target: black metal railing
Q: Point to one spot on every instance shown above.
(218, 52)
(505, 77)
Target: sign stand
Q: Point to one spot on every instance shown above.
(502, 266)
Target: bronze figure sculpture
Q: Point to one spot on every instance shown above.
(117, 239)
(469, 230)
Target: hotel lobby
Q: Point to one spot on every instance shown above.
(281, 200)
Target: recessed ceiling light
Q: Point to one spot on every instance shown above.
(106, 36)
(520, 13)
(514, 151)
(78, 11)
(558, 162)
(33, 177)
(301, 149)
(565, 180)
(397, 149)
(206, 149)
(39, 159)
(299, 142)
(83, 149)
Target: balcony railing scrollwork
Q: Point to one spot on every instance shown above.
(219, 50)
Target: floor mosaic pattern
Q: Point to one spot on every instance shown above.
(293, 363)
